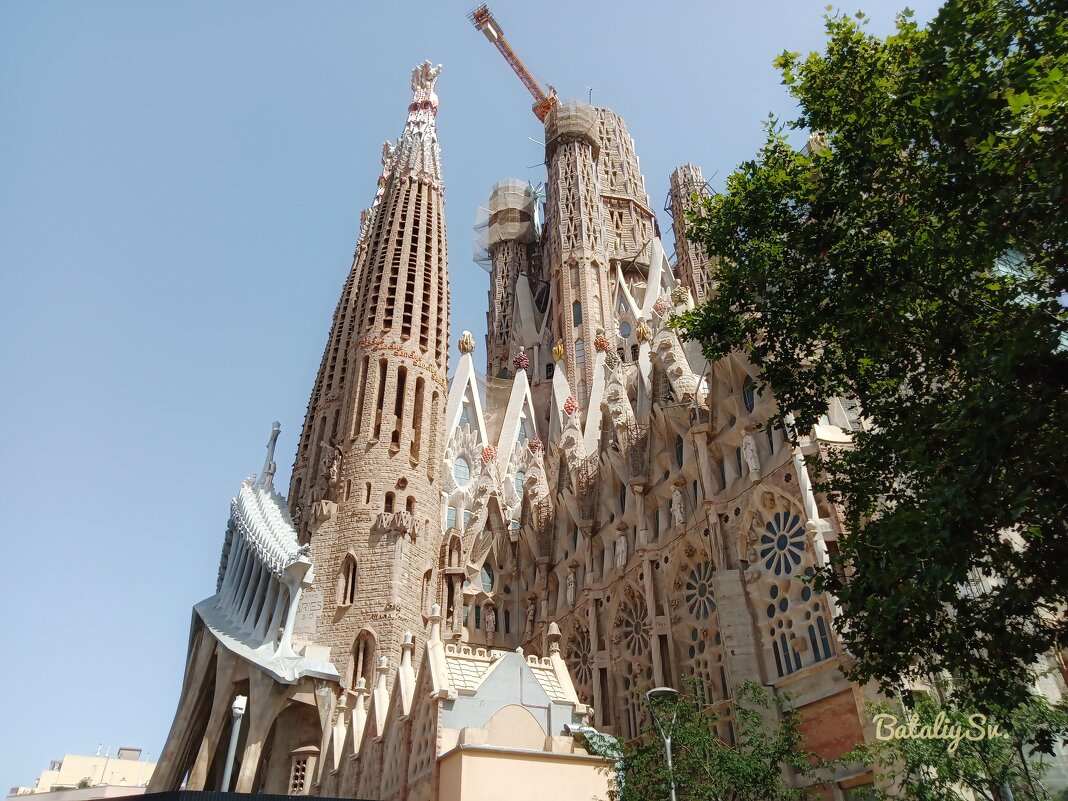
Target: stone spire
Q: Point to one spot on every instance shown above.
(364, 482)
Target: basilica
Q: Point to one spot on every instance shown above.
(466, 580)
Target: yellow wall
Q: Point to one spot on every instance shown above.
(473, 773)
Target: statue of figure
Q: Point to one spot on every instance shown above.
(491, 619)
(752, 458)
(621, 551)
(571, 586)
(335, 470)
(677, 515)
(530, 616)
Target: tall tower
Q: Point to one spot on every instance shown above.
(363, 489)
(693, 265)
(509, 241)
(598, 225)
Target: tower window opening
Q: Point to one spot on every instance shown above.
(398, 406)
(367, 492)
(580, 353)
(417, 419)
(576, 313)
(346, 584)
(409, 505)
(382, 365)
(634, 353)
(390, 498)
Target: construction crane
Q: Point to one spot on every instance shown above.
(485, 22)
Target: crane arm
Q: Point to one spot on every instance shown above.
(484, 21)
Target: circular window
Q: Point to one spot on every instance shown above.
(461, 471)
(782, 543)
(625, 329)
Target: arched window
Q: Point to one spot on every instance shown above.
(409, 505)
(450, 517)
(520, 481)
(678, 451)
(487, 577)
(426, 599)
(576, 313)
(346, 581)
(749, 393)
(389, 501)
(580, 353)
(461, 471)
(624, 329)
(363, 660)
(523, 435)
(464, 419)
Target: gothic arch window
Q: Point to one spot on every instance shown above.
(390, 498)
(520, 481)
(426, 599)
(347, 581)
(524, 435)
(749, 393)
(363, 660)
(465, 420)
(576, 313)
(487, 577)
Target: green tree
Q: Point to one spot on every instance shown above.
(914, 256)
(704, 767)
(949, 750)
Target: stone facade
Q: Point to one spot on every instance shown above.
(607, 498)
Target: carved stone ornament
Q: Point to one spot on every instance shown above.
(558, 352)
(521, 361)
(643, 332)
(466, 343)
(570, 405)
(679, 295)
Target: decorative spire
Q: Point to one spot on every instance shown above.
(269, 467)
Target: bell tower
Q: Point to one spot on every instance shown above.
(364, 491)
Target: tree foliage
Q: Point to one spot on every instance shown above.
(950, 752)
(913, 257)
(707, 769)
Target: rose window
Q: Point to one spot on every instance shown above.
(782, 543)
(636, 627)
(698, 591)
(578, 657)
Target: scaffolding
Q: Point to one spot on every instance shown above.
(588, 485)
(636, 448)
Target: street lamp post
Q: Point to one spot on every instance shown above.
(664, 694)
(238, 709)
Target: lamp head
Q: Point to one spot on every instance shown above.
(662, 694)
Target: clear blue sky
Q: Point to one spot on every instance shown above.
(180, 189)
